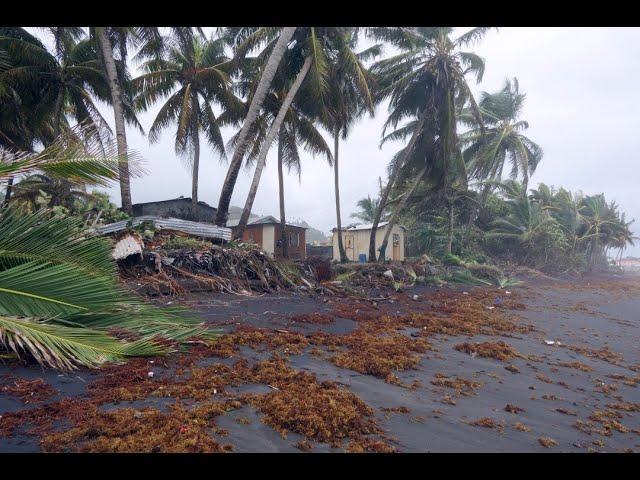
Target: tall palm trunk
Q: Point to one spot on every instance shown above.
(57, 119)
(264, 149)
(196, 163)
(336, 172)
(450, 227)
(399, 208)
(118, 112)
(384, 196)
(283, 221)
(254, 108)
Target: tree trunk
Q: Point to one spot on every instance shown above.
(254, 108)
(450, 227)
(396, 212)
(196, 164)
(118, 112)
(283, 222)
(336, 142)
(57, 120)
(7, 195)
(271, 135)
(476, 211)
(384, 196)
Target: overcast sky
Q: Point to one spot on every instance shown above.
(582, 104)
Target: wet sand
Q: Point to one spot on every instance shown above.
(583, 316)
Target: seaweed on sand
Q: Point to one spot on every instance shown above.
(498, 350)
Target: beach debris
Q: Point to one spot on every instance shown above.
(513, 409)
(127, 246)
(547, 442)
(521, 427)
(388, 274)
(552, 342)
(150, 374)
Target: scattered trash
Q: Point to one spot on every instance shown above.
(388, 274)
(552, 342)
(489, 308)
(415, 298)
(150, 374)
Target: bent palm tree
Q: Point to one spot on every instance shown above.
(498, 141)
(262, 89)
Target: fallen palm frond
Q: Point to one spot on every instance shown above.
(79, 155)
(60, 300)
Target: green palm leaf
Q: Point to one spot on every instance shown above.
(65, 347)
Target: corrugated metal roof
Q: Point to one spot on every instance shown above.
(192, 228)
(367, 226)
(267, 220)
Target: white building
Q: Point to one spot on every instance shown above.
(356, 242)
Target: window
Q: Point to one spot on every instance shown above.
(294, 239)
(396, 239)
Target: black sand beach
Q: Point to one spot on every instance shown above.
(581, 392)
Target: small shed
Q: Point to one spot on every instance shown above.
(355, 239)
(265, 231)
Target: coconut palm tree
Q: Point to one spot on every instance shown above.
(368, 207)
(276, 48)
(65, 82)
(199, 70)
(427, 85)
(498, 141)
(107, 56)
(59, 294)
(350, 96)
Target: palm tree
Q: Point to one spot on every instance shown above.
(368, 207)
(106, 54)
(350, 95)
(66, 82)
(530, 229)
(277, 51)
(427, 85)
(200, 70)
(499, 140)
(59, 294)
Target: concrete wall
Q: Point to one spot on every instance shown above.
(356, 242)
(177, 208)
